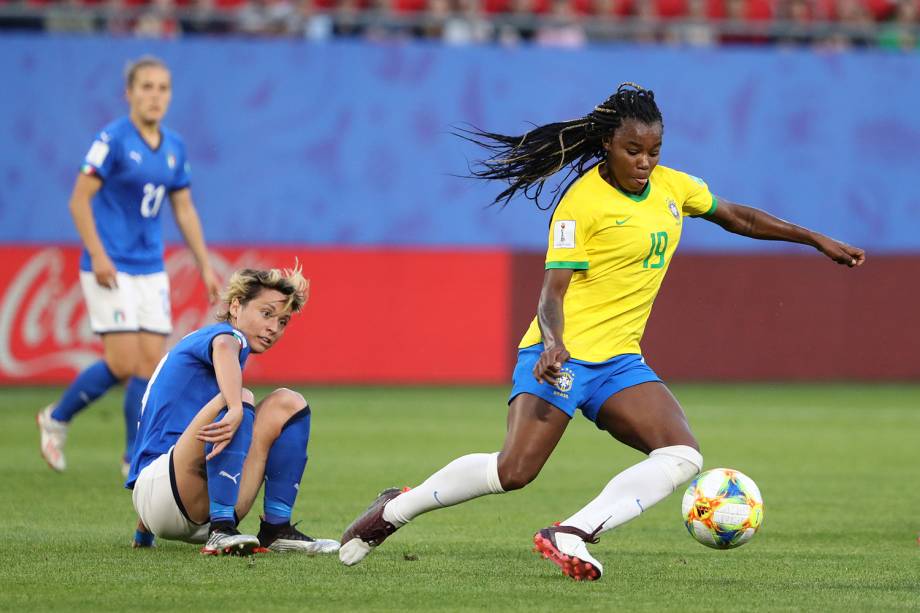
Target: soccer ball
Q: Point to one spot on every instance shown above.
(722, 508)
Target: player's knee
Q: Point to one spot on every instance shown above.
(514, 473)
(293, 399)
(248, 396)
(121, 369)
(288, 400)
(680, 462)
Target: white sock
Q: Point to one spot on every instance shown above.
(637, 488)
(467, 477)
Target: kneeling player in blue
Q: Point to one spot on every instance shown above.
(204, 447)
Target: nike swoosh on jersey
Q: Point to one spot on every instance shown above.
(620, 223)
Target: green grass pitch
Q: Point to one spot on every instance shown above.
(837, 465)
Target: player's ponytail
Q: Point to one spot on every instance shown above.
(525, 162)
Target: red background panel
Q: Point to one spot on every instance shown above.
(451, 316)
(374, 316)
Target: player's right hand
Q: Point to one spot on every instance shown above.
(105, 272)
(220, 433)
(549, 366)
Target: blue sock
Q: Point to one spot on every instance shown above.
(284, 467)
(226, 470)
(134, 393)
(89, 385)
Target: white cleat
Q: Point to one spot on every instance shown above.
(369, 530)
(229, 542)
(565, 547)
(353, 552)
(287, 538)
(53, 436)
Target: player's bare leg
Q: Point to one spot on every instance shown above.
(120, 351)
(646, 417)
(534, 429)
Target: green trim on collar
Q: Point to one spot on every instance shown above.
(637, 197)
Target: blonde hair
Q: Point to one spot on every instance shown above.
(248, 283)
(145, 61)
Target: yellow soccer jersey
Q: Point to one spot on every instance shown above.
(620, 246)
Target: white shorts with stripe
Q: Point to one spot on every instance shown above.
(156, 500)
(140, 303)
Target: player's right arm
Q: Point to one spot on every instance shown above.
(551, 319)
(225, 352)
(81, 209)
(565, 254)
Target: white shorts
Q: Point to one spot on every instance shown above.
(156, 502)
(140, 303)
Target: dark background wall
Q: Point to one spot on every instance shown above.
(751, 317)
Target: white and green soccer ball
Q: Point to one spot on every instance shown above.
(722, 508)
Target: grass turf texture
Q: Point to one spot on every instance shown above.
(837, 466)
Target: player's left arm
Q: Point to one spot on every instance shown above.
(748, 221)
(190, 226)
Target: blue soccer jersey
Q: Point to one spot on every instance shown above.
(182, 384)
(135, 181)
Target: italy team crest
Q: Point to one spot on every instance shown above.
(171, 161)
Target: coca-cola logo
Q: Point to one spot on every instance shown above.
(44, 326)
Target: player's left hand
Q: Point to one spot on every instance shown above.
(840, 252)
(220, 433)
(549, 366)
(212, 284)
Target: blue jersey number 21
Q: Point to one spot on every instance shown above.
(153, 199)
(658, 248)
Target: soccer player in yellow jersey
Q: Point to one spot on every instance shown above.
(611, 240)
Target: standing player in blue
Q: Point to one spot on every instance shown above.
(133, 164)
(611, 240)
(204, 447)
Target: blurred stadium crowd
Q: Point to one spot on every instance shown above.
(827, 24)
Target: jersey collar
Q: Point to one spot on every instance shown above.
(638, 197)
(634, 197)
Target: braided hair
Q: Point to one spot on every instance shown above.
(525, 162)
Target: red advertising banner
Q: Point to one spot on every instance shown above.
(374, 316)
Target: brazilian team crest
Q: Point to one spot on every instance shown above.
(565, 379)
(672, 206)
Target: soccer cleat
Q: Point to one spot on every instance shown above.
(286, 537)
(565, 547)
(53, 436)
(229, 542)
(369, 530)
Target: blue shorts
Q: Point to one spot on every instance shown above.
(582, 385)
